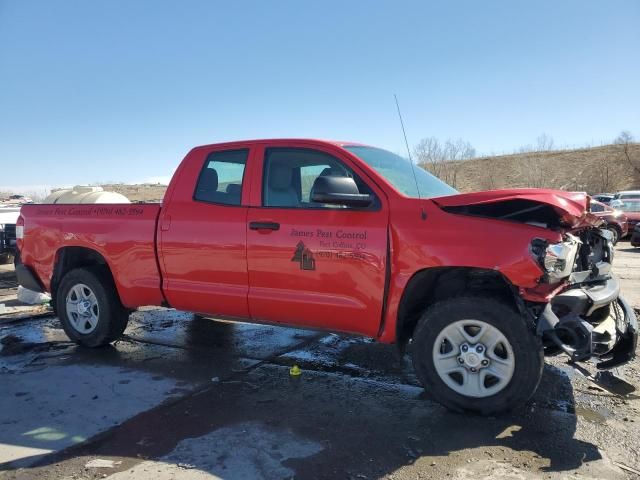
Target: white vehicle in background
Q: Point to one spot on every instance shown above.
(8, 219)
(18, 199)
(9, 212)
(620, 197)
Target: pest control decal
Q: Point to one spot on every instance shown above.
(90, 211)
(337, 244)
(304, 257)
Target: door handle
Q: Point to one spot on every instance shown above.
(264, 226)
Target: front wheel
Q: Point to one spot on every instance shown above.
(89, 307)
(476, 354)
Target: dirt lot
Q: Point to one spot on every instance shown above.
(182, 397)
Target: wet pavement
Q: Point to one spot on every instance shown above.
(184, 397)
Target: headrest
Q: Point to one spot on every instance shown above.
(208, 180)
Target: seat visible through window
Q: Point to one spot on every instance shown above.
(221, 178)
(207, 185)
(290, 176)
(280, 191)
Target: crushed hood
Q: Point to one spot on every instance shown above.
(531, 205)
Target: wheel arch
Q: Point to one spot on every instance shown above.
(70, 258)
(434, 284)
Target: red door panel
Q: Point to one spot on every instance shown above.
(322, 268)
(205, 261)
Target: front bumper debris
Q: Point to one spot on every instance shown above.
(625, 348)
(591, 320)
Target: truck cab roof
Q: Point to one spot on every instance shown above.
(282, 141)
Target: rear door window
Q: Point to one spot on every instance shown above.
(221, 178)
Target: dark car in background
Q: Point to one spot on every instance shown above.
(631, 208)
(635, 236)
(603, 197)
(616, 220)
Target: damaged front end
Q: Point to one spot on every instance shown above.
(576, 305)
(587, 317)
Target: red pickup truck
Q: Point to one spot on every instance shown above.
(350, 238)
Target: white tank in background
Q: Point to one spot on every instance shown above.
(84, 194)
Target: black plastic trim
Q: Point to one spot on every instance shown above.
(264, 226)
(26, 277)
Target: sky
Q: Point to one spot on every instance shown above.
(120, 90)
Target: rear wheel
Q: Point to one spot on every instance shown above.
(89, 307)
(476, 354)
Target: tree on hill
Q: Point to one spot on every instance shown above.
(532, 168)
(443, 159)
(625, 139)
(544, 143)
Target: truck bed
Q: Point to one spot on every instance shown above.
(124, 234)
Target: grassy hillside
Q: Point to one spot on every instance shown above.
(595, 169)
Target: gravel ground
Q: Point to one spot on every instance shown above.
(190, 398)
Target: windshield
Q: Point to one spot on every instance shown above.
(399, 172)
(628, 206)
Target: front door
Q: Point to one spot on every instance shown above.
(314, 265)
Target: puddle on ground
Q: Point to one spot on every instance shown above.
(593, 415)
(184, 330)
(30, 332)
(246, 450)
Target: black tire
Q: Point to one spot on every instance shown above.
(617, 233)
(526, 346)
(112, 317)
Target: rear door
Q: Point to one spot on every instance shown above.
(203, 235)
(314, 265)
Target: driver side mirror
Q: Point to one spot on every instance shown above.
(339, 191)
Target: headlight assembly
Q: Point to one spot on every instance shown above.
(557, 259)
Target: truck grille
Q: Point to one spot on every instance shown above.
(595, 255)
